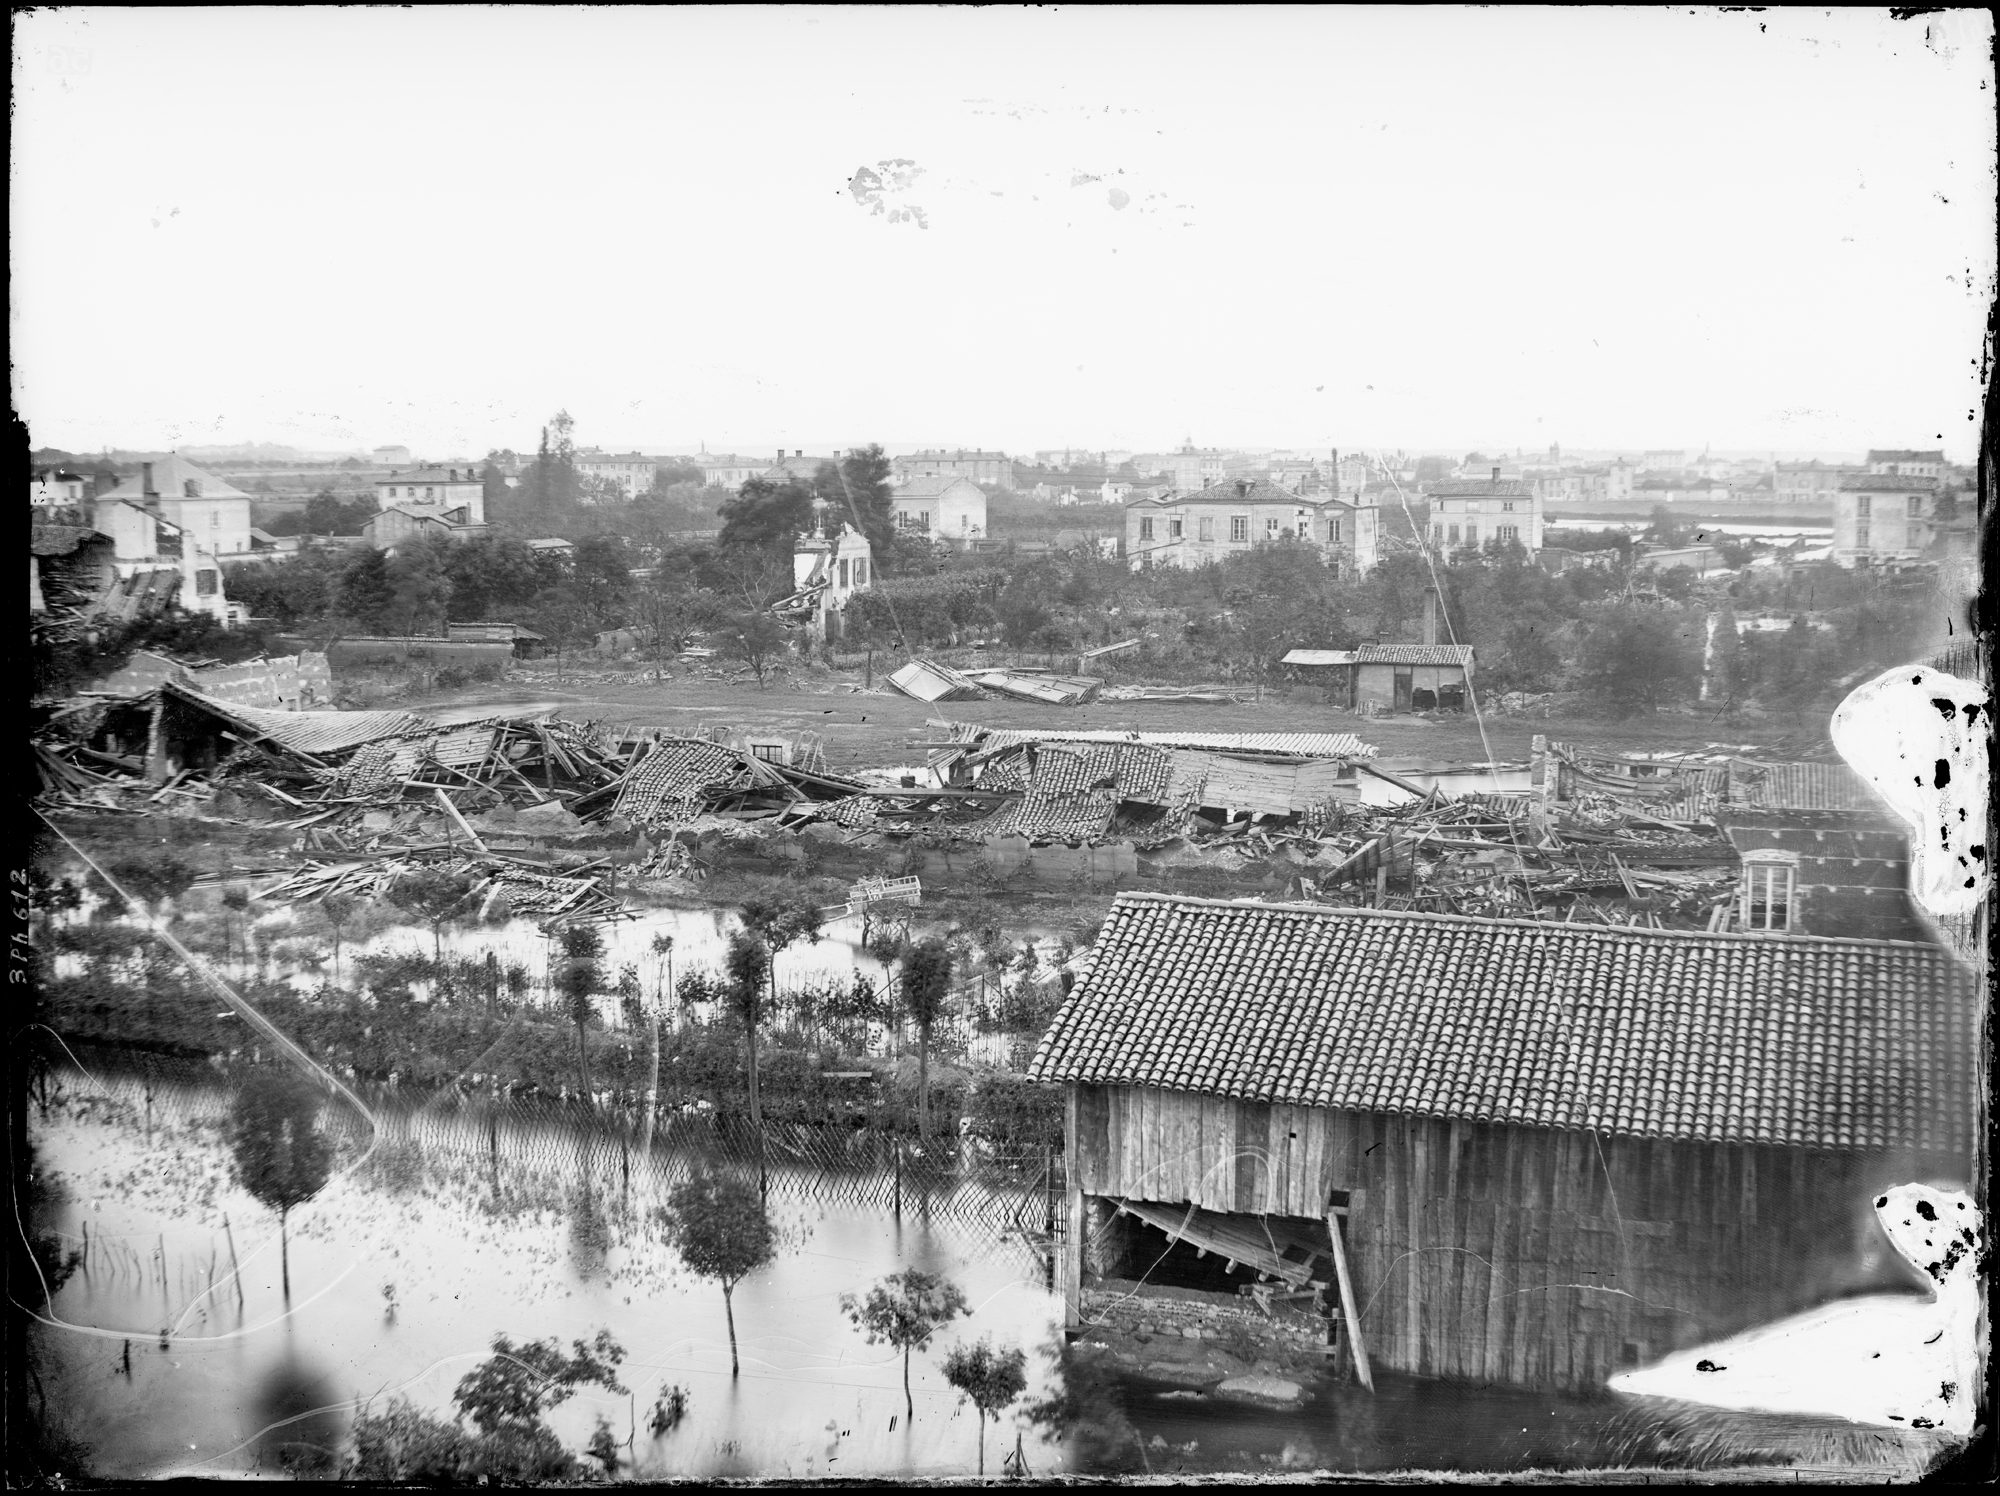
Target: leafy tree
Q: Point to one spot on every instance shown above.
(719, 1227)
(747, 965)
(326, 513)
(282, 1158)
(766, 514)
(903, 1311)
(1662, 528)
(566, 616)
(781, 924)
(602, 566)
(365, 592)
(756, 638)
(419, 577)
(858, 490)
(155, 878)
(580, 976)
(672, 608)
(287, 591)
(989, 1378)
(406, 1445)
(338, 909)
(600, 491)
(926, 984)
(490, 574)
(1637, 658)
(513, 1388)
(434, 896)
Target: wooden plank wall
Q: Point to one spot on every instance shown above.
(1511, 1254)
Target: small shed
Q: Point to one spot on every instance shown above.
(1507, 1150)
(525, 642)
(1390, 677)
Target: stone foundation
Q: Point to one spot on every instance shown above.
(1123, 1307)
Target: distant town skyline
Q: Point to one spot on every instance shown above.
(1026, 456)
(1302, 222)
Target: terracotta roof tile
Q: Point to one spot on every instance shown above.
(1720, 1038)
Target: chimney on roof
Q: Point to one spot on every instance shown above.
(146, 481)
(1430, 616)
(1496, 477)
(798, 451)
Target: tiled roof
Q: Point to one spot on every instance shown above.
(1644, 1033)
(423, 516)
(1799, 787)
(1413, 654)
(306, 732)
(171, 475)
(1901, 454)
(434, 475)
(59, 540)
(1835, 849)
(924, 488)
(675, 778)
(1886, 483)
(1269, 744)
(1478, 488)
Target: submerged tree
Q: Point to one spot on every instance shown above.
(748, 965)
(904, 1310)
(926, 983)
(282, 1158)
(434, 896)
(719, 1227)
(580, 976)
(990, 1378)
(512, 1388)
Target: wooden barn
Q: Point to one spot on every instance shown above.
(1510, 1151)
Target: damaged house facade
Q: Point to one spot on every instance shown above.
(1503, 1150)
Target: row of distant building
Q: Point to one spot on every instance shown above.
(182, 525)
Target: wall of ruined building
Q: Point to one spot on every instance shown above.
(301, 682)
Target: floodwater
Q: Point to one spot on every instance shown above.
(400, 1293)
(236, 1390)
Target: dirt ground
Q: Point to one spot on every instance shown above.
(883, 728)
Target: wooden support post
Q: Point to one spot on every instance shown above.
(451, 810)
(1347, 1309)
(1381, 881)
(1073, 1193)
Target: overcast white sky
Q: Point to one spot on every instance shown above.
(1424, 228)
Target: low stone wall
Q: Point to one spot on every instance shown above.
(1125, 1307)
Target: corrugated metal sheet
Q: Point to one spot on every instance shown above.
(1319, 657)
(1274, 744)
(932, 682)
(306, 732)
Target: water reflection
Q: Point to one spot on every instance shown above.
(300, 1414)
